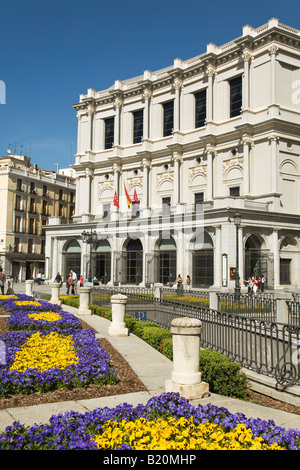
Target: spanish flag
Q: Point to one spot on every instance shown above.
(129, 201)
(116, 202)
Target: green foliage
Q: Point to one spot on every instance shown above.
(223, 376)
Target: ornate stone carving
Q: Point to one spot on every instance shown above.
(105, 185)
(167, 175)
(273, 49)
(197, 170)
(238, 161)
(135, 181)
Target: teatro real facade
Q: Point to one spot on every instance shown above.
(195, 144)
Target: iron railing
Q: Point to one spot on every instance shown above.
(262, 345)
(260, 306)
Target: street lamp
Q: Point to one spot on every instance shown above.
(90, 238)
(237, 223)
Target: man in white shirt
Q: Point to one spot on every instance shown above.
(74, 279)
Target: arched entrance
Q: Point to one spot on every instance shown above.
(72, 257)
(258, 261)
(103, 261)
(203, 261)
(134, 262)
(167, 261)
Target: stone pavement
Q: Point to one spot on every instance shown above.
(152, 368)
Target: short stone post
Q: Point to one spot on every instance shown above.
(282, 311)
(118, 309)
(158, 292)
(55, 294)
(28, 288)
(213, 298)
(84, 300)
(186, 377)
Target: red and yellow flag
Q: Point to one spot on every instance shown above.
(129, 201)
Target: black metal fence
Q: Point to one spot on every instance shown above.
(259, 306)
(259, 344)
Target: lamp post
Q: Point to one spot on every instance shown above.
(90, 238)
(237, 223)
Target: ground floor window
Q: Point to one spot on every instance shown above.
(285, 271)
(203, 268)
(167, 267)
(134, 262)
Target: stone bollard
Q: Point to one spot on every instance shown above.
(213, 298)
(28, 288)
(55, 294)
(158, 292)
(282, 311)
(84, 300)
(186, 377)
(118, 309)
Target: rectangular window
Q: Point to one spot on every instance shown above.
(17, 224)
(168, 118)
(31, 226)
(106, 211)
(19, 185)
(235, 96)
(285, 271)
(17, 245)
(200, 108)
(60, 210)
(30, 245)
(32, 188)
(235, 192)
(138, 126)
(199, 198)
(166, 205)
(109, 133)
(18, 202)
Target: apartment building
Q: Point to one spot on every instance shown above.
(192, 169)
(29, 196)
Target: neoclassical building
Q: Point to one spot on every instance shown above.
(192, 144)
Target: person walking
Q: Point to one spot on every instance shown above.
(74, 283)
(81, 280)
(58, 278)
(179, 284)
(69, 283)
(2, 280)
(188, 282)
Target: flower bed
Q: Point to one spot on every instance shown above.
(42, 320)
(46, 360)
(25, 302)
(165, 422)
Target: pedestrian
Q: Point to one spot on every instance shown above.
(2, 280)
(255, 284)
(81, 280)
(188, 282)
(69, 283)
(179, 284)
(74, 283)
(263, 281)
(39, 279)
(58, 278)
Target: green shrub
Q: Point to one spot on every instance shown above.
(167, 348)
(223, 376)
(155, 336)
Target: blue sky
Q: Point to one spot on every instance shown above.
(52, 51)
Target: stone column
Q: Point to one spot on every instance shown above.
(276, 260)
(210, 72)
(247, 58)
(118, 308)
(84, 300)
(28, 288)
(55, 294)
(158, 291)
(247, 144)
(209, 191)
(213, 298)
(274, 173)
(177, 180)
(118, 106)
(146, 167)
(147, 97)
(186, 377)
(273, 51)
(218, 257)
(90, 111)
(177, 86)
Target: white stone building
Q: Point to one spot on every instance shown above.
(197, 142)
